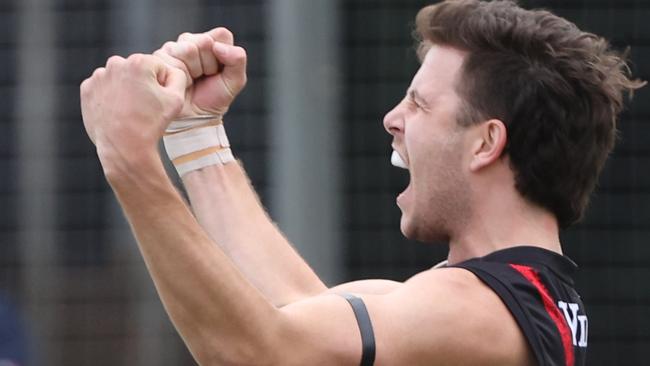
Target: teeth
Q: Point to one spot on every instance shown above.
(397, 160)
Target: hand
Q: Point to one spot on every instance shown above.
(127, 105)
(215, 70)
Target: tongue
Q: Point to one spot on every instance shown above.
(397, 160)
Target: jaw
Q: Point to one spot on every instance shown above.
(429, 216)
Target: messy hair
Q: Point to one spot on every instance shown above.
(557, 89)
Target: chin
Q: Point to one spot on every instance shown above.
(422, 232)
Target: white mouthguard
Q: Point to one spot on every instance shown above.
(397, 160)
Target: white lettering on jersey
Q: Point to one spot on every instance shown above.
(575, 321)
(584, 329)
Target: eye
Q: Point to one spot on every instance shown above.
(411, 101)
(414, 103)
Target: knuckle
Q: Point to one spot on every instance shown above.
(184, 36)
(83, 88)
(98, 72)
(221, 34)
(114, 61)
(226, 33)
(189, 49)
(168, 46)
(137, 61)
(203, 40)
(136, 58)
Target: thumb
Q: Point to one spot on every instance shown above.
(175, 81)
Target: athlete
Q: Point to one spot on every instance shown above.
(504, 130)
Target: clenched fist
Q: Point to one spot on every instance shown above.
(215, 69)
(127, 105)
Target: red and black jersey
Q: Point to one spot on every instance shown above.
(537, 287)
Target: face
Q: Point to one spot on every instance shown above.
(431, 144)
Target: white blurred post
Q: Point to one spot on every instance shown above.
(36, 131)
(304, 127)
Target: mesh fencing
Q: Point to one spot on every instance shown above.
(101, 316)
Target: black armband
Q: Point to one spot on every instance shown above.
(365, 327)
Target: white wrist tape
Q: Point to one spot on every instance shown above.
(195, 148)
(195, 139)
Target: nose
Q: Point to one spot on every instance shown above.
(394, 120)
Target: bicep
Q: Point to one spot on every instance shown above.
(429, 319)
(323, 330)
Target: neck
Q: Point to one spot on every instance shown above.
(504, 225)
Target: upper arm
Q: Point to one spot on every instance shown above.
(366, 287)
(435, 317)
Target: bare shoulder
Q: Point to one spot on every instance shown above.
(446, 315)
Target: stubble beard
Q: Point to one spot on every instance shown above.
(446, 211)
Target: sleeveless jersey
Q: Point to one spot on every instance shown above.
(537, 287)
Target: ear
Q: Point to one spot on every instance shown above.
(488, 146)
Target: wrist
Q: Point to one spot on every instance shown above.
(191, 147)
(139, 166)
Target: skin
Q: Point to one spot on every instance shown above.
(234, 288)
(426, 135)
(462, 188)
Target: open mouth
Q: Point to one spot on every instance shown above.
(398, 161)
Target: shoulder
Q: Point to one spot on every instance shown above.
(446, 315)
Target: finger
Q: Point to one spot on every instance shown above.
(171, 78)
(98, 73)
(234, 60)
(188, 53)
(230, 56)
(174, 62)
(164, 52)
(174, 79)
(147, 65)
(222, 35)
(203, 43)
(183, 36)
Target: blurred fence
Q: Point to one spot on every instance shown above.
(69, 262)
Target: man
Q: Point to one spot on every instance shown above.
(504, 130)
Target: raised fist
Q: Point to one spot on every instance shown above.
(127, 104)
(215, 70)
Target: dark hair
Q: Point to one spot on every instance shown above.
(557, 89)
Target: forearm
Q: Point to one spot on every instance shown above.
(216, 310)
(228, 208)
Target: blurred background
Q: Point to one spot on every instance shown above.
(73, 288)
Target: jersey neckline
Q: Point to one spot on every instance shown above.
(562, 265)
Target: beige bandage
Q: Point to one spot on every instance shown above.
(219, 157)
(192, 148)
